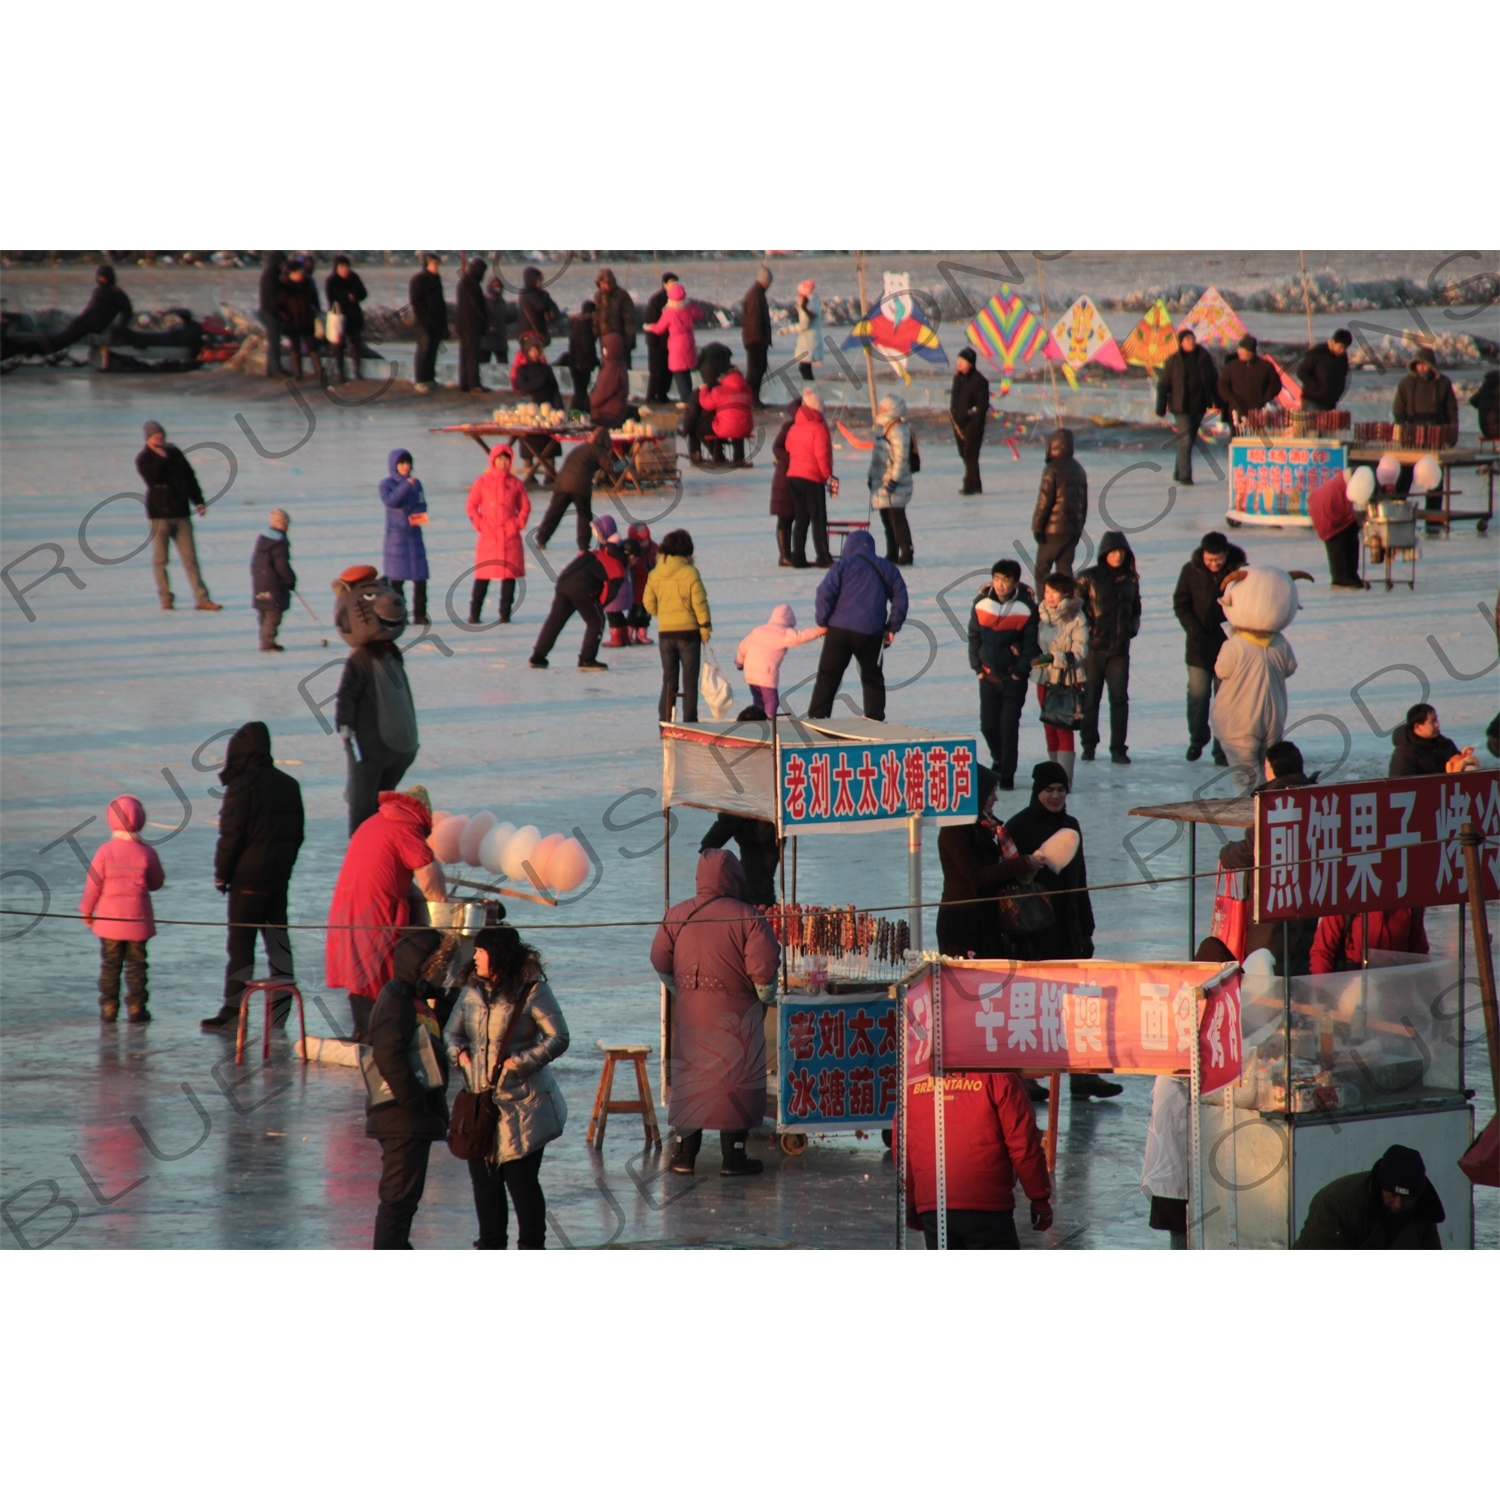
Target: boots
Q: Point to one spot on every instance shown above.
(736, 1162)
(685, 1153)
(617, 636)
(641, 638)
(109, 1010)
(1065, 759)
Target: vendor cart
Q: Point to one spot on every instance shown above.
(1390, 537)
(648, 453)
(1482, 459)
(832, 1031)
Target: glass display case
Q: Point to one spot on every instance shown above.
(1336, 1068)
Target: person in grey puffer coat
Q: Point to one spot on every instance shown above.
(1062, 509)
(508, 973)
(890, 478)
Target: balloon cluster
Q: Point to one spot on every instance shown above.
(554, 863)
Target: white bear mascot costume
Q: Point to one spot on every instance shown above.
(1249, 710)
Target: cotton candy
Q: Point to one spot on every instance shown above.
(474, 831)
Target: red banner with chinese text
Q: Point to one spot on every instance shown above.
(1379, 845)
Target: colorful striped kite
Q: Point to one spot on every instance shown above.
(1151, 342)
(896, 329)
(1214, 321)
(1007, 332)
(1079, 336)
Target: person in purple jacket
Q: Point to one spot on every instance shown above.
(862, 601)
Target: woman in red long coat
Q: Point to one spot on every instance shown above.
(499, 509)
(372, 898)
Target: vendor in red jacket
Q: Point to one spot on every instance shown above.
(991, 1139)
(1331, 507)
(1340, 939)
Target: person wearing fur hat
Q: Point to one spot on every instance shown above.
(1002, 645)
(116, 907)
(968, 410)
(575, 487)
(890, 478)
(1247, 383)
(809, 350)
(659, 377)
(1111, 595)
(1062, 509)
(1062, 646)
(498, 509)
(760, 653)
(675, 324)
(172, 494)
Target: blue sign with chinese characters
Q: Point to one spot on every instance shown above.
(1274, 478)
(842, 784)
(838, 1063)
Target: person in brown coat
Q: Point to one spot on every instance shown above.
(718, 957)
(614, 312)
(755, 333)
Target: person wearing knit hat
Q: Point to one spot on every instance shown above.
(968, 408)
(1247, 383)
(172, 494)
(1393, 1206)
(116, 907)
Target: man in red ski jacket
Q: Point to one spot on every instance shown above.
(991, 1139)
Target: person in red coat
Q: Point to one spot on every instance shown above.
(990, 1140)
(372, 898)
(1340, 940)
(642, 552)
(1337, 526)
(499, 509)
(718, 957)
(116, 905)
(809, 476)
(733, 416)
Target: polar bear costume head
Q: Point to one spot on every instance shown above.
(1261, 600)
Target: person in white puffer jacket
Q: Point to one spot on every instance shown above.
(1062, 633)
(890, 478)
(760, 653)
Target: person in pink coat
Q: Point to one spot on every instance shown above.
(499, 509)
(676, 325)
(760, 653)
(117, 905)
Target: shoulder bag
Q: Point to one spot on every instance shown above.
(420, 1058)
(475, 1117)
(1062, 703)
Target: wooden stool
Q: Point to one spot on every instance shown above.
(268, 987)
(605, 1105)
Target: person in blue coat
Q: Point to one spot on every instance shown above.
(405, 553)
(862, 601)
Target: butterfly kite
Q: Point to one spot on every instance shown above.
(1006, 331)
(1151, 342)
(896, 329)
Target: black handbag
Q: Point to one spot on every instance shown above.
(1025, 909)
(1062, 706)
(475, 1118)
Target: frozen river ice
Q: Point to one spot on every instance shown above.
(103, 693)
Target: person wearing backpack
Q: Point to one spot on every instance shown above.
(504, 1032)
(892, 461)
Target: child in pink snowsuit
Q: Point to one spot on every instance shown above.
(117, 905)
(760, 653)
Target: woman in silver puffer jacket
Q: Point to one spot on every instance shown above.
(506, 973)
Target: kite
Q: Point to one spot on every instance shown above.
(1290, 395)
(1006, 331)
(1213, 321)
(897, 328)
(1079, 336)
(1151, 342)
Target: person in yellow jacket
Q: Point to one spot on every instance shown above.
(676, 599)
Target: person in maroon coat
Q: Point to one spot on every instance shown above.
(990, 1140)
(718, 957)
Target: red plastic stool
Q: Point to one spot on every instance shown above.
(269, 987)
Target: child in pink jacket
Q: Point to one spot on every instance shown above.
(117, 905)
(760, 653)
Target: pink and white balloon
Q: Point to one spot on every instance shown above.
(557, 862)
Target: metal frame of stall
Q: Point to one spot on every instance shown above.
(747, 739)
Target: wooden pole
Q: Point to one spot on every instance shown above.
(1041, 279)
(1306, 298)
(864, 308)
(1484, 962)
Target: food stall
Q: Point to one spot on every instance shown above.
(832, 1032)
(1407, 445)
(1277, 459)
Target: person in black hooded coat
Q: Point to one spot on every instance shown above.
(430, 309)
(1062, 508)
(973, 872)
(272, 266)
(1111, 594)
(473, 323)
(537, 309)
(260, 832)
(1071, 935)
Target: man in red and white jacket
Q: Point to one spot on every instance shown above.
(990, 1139)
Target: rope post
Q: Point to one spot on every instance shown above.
(939, 1140)
(914, 879)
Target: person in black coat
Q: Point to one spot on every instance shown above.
(968, 408)
(473, 324)
(1189, 389)
(756, 333)
(760, 852)
(614, 311)
(968, 924)
(533, 379)
(1486, 401)
(271, 578)
(1062, 508)
(783, 505)
(1195, 602)
(1425, 396)
(1248, 382)
(659, 376)
(585, 589)
(172, 493)
(537, 308)
(272, 268)
(345, 291)
(583, 354)
(575, 487)
(297, 304)
(407, 1124)
(1420, 748)
(430, 308)
(1002, 645)
(496, 341)
(260, 832)
(1111, 594)
(108, 310)
(1324, 372)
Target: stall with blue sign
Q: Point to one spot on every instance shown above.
(1270, 477)
(833, 1053)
